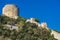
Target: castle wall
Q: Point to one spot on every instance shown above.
(10, 10)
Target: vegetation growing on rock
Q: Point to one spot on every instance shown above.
(26, 30)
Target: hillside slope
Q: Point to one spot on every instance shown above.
(25, 30)
(44, 25)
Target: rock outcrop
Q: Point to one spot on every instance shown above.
(44, 25)
(56, 34)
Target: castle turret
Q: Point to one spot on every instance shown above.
(10, 10)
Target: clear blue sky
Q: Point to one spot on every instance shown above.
(45, 10)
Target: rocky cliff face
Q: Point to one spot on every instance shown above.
(28, 28)
(56, 34)
(44, 25)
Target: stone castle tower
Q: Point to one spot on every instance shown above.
(10, 10)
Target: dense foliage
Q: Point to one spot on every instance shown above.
(26, 31)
